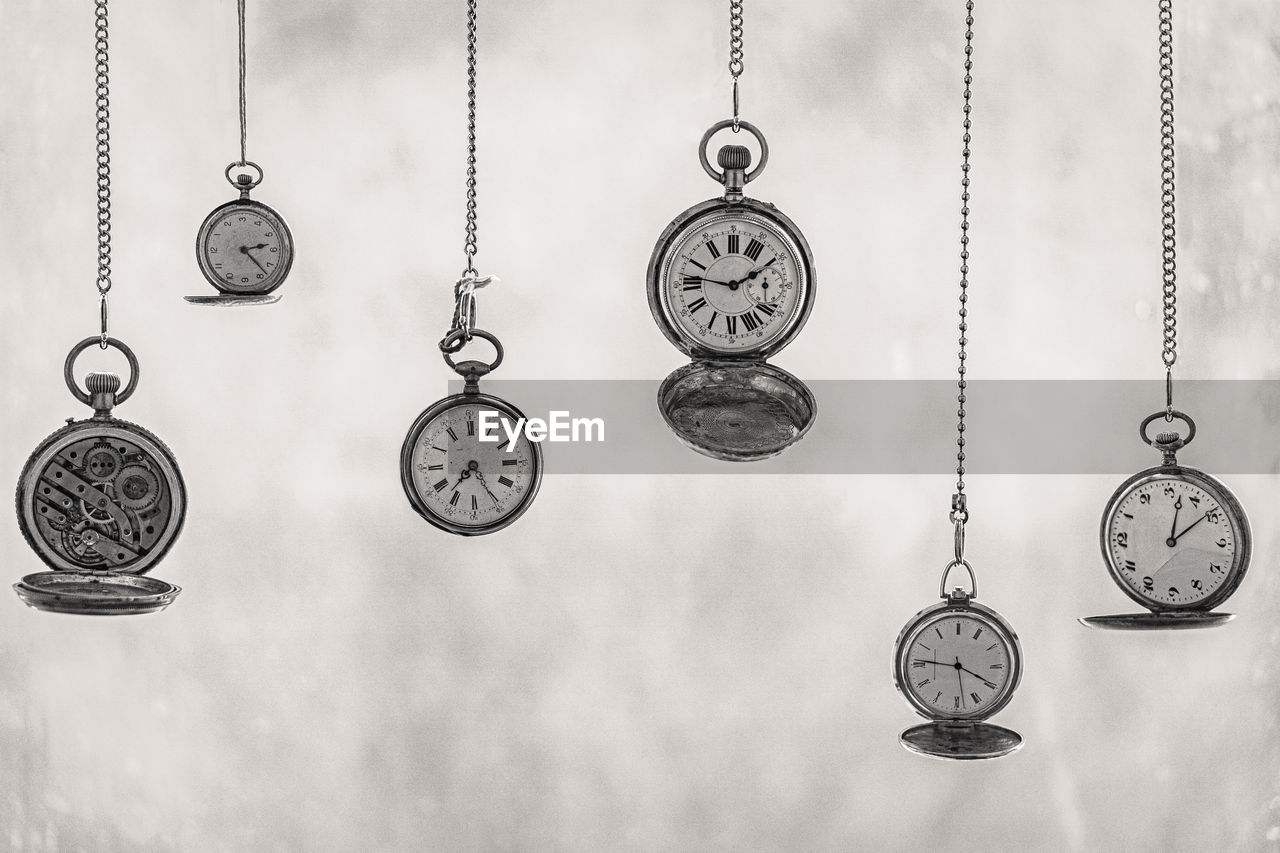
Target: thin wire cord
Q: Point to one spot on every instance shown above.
(244, 124)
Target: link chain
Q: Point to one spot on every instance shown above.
(469, 246)
(1168, 232)
(735, 53)
(959, 508)
(103, 136)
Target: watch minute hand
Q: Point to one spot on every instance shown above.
(1189, 526)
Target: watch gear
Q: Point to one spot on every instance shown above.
(138, 488)
(103, 462)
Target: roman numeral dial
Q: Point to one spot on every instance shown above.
(968, 659)
(464, 484)
(733, 282)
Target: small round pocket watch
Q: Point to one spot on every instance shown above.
(1175, 540)
(730, 283)
(244, 247)
(101, 501)
(466, 465)
(958, 663)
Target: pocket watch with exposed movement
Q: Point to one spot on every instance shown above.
(730, 283)
(101, 501)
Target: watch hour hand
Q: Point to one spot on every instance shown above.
(755, 272)
(244, 250)
(1177, 508)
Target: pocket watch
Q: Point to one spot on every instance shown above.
(100, 501)
(460, 466)
(244, 247)
(730, 283)
(1175, 540)
(958, 663)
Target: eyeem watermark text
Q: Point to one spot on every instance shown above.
(559, 426)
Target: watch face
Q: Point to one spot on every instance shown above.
(957, 663)
(460, 483)
(101, 496)
(1175, 539)
(244, 247)
(734, 279)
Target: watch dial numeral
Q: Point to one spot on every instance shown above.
(506, 481)
(693, 282)
(453, 436)
(697, 304)
(453, 501)
(731, 323)
(440, 486)
(977, 700)
(733, 243)
(754, 248)
(751, 321)
(711, 247)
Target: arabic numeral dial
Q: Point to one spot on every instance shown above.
(1171, 542)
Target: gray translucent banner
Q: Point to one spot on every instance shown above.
(908, 427)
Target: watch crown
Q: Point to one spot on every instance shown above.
(102, 388)
(734, 157)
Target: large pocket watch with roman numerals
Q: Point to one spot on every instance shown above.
(1175, 540)
(101, 501)
(958, 663)
(460, 466)
(730, 283)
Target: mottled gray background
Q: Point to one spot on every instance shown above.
(643, 662)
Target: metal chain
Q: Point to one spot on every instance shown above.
(244, 132)
(959, 508)
(1169, 245)
(103, 135)
(469, 246)
(735, 53)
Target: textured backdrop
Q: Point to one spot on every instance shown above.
(643, 661)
